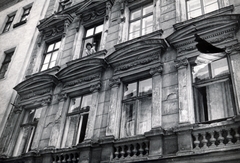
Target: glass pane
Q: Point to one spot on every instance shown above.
(135, 14)
(52, 64)
(147, 25)
(86, 102)
(195, 13)
(24, 17)
(200, 72)
(50, 47)
(54, 56)
(134, 35)
(7, 27)
(71, 130)
(57, 45)
(208, 2)
(75, 104)
(30, 116)
(144, 115)
(129, 116)
(11, 18)
(47, 58)
(4, 68)
(44, 67)
(130, 90)
(211, 8)
(219, 67)
(99, 29)
(193, 5)
(145, 87)
(134, 26)
(26, 11)
(147, 9)
(89, 32)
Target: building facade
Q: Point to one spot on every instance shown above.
(123, 81)
(18, 32)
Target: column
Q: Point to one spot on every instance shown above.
(113, 124)
(93, 110)
(156, 73)
(185, 98)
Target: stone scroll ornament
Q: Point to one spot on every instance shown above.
(209, 53)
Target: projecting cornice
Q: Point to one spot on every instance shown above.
(37, 89)
(216, 30)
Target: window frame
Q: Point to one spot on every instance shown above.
(9, 22)
(25, 14)
(6, 63)
(139, 18)
(51, 54)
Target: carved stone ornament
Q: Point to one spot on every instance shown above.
(18, 109)
(156, 70)
(45, 102)
(54, 31)
(114, 82)
(62, 96)
(93, 15)
(230, 49)
(108, 9)
(181, 63)
(66, 25)
(95, 87)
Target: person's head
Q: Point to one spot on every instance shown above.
(88, 46)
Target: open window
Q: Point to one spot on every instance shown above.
(27, 131)
(213, 93)
(77, 118)
(137, 104)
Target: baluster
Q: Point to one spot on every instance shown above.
(196, 142)
(117, 153)
(237, 136)
(204, 141)
(54, 159)
(229, 137)
(129, 151)
(60, 159)
(122, 152)
(146, 149)
(140, 149)
(64, 158)
(220, 138)
(212, 139)
(135, 150)
(74, 157)
(69, 160)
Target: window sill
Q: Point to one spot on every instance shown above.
(211, 81)
(19, 23)
(50, 71)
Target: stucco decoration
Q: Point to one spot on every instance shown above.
(36, 90)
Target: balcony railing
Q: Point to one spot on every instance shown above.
(216, 137)
(66, 156)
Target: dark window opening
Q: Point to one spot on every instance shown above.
(5, 64)
(8, 23)
(83, 127)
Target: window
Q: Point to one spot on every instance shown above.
(27, 131)
(5, 64)
(8, 23)
(141, 21)
(25, 14)
(137, 104)
(199, 7)
(93, 36)
(212, 91)
(50, 57)
(77, 118)
(63, 4)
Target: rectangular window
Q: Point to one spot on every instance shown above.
(27, 131)
(5, 64)
(199, 7)
(141, 21)
(137, 104)
(93, 38)
(25, 14)
(8, 23)
(213, 93)
(50, 56)
(77, 118)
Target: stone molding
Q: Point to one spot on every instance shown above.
(32, 94)
(62, 97)
(95, 87)
(235, 47)
(156, 70)
(114, 82)
(181, 63)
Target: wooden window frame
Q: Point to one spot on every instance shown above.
(9, 22)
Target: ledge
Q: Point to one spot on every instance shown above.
(19, 23)
(50, 71)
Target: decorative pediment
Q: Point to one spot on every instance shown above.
(215, 29)
(54, 20)
(136, 56)
(37, 88)
(81, 73)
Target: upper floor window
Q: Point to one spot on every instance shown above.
(27, 131)
(92, 40)
(77, 119)
(141, 21)
(63, 4)
(199, 7)
(26, 12)
(213, 94)
(5, 64)
(8, 23)
(137, 103)
(50, 56)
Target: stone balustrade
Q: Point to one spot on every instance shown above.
(215, 137)
(65, 157)
(131, 150)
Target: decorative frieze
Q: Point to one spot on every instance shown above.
(35, 93)
(230, 49)
(114, 82)
(95, 87)
(156, 70)
(93, 15)
(181, 63)
(54, 31)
